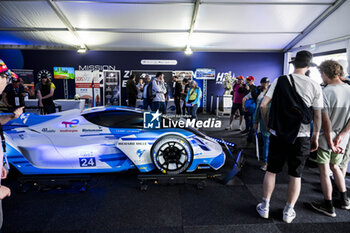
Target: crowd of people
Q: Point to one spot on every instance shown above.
(295, 117)
(296, 121)
(155, 94)
(15, 93)
(299, 121)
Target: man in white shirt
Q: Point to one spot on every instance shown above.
(159, 90)
(296, 151)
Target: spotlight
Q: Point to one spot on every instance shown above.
(188, 51)
(81, 50)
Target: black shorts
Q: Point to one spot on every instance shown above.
(294, 154)
(235, 107)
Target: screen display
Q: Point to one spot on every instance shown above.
(205, 73)
(63, 72)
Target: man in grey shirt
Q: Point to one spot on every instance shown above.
(334, 137)
(282, 151)
(159, 90)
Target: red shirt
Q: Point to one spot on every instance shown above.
(237, 97)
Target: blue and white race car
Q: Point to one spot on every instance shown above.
(105, 139)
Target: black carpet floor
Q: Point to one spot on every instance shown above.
(114, 203)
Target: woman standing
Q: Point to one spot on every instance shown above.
(193, 99)
(45, 91)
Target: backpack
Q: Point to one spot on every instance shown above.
(150, 95)
(250, 105)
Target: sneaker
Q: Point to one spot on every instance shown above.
(289, 216)
(264, 213)
(321, 207)
(264, 167)
(345, 204)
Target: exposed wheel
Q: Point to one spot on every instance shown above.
(172, 154)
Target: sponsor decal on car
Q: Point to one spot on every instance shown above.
(46, 130)
(91, 130)
(68, 130)
(140, 152)
(71, 124)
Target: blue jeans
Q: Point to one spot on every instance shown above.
(193, 111)
(248, 117)
(265, 152)
(146, 103)
(159, 106)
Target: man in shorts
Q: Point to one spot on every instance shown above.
(296, 151)
(334, 138)
(343, 165)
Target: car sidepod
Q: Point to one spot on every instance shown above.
(207, 154)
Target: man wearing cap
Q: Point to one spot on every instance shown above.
(290, 138)
(14, 93)
(252, 94)
(265, 135)
(5, 191)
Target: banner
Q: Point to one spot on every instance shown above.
(181, 74)
(111, 87)
(28, 80)
(83, 87)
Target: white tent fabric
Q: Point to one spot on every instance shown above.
(223, 25)
(28, 14)
(332, 34)
(335, 26)
(129, 16)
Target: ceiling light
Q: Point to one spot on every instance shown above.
(188, 51)
(82, 50)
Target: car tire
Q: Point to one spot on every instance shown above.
(172, 154)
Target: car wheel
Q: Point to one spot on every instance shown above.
(172, 154)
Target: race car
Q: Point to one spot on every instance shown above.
(106, 139)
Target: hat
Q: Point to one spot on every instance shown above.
(3, 68)
(250, 78)
(14, 77)
(240, 77)
(265, 80)
(303, 59)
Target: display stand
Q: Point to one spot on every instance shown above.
(46, 183)
(65, 87)
(205, 93)
(174, 179)
(226, 179)
(227, 105)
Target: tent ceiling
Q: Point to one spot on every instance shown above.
(222, 25)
